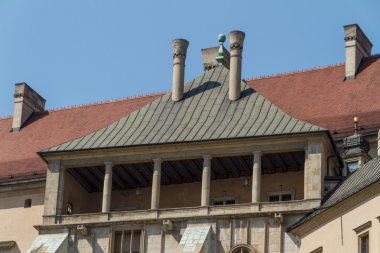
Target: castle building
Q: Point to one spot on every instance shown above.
(219, 164)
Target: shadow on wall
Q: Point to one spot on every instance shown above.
(15, 249)
(89, 243)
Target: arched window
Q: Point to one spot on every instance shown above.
(242, 249)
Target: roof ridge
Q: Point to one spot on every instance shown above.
(6, 117)
(293, 72)
(302, 70)
(102, 102)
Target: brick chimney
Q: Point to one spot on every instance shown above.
(26, 102)
(358, 47)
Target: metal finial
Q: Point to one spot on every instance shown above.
(356, 121)
(220, 57)
(221, 38)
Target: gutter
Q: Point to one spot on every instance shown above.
(26, 181)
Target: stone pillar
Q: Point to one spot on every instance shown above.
(315, 166)
(256, 177)
(55, 181)
(206, 180)
(378, 143)
(156, 184)
(107, 187)
(236, 46)
(179, 57)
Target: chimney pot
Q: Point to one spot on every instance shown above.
(358, 46)
(236, 48)
(179, 57)
(26, 102)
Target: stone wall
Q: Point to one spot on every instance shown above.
(16, 222)
(264, 234)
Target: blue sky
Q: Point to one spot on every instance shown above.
(81, 51)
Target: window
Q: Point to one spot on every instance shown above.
(224, 201)
(127, 241)
(274, 198)
(281, 196)
(28, 203)
(364, 243)
(242, 249)
(352, 166)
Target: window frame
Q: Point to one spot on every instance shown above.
(224, 199)
(360, 241)
(240, 247)
(280, 193)
(134, 229)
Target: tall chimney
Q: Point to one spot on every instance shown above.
(236, 49)
(26, 102)
(179, 58)
(358, 47)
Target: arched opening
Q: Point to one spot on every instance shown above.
(242, 249)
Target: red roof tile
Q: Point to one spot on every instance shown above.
(322, 97)
(18, 157)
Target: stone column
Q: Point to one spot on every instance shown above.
(206, 180)
(256, 177)
(107, 188)
(55, 181)
(378, 143)
(315, 165)
(236, 46)
(179, 58)
(156, 184)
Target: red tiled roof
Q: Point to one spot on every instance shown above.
(322, 97)
(18, 157)
(319, 96)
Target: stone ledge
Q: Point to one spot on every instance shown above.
(249, 209)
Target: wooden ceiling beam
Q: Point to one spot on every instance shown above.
(220, 167)
(124, 175)
(187, 174)
(281, 162)
(235, 171)
(92, 178)
(168, 168)
(292, 161)
(81, 180)
(271, 166)
(135, 173)
(244, 163)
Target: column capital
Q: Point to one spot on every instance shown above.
(257, 152)
(157, 160)
(108, 164)
(180, 48)
(207, 156)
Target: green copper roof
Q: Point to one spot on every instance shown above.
(205, 113)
